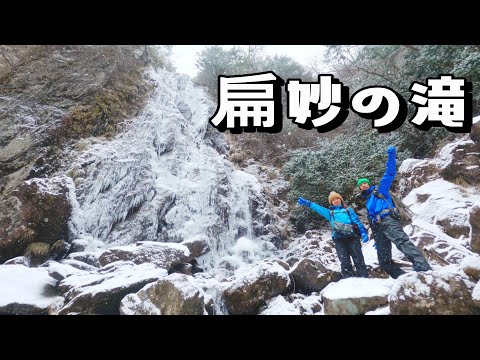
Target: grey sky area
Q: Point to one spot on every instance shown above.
(184, 55)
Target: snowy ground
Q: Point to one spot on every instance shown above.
(27, 286)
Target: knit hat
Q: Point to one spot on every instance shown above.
(334, 195)
(363, 180)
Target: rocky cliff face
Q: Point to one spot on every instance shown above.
(454, 210)
(51, 96)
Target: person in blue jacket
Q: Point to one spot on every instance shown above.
(386, 226)
(344, 235)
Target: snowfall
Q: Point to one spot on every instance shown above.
(33, 287)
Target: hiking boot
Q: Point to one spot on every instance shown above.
(395, 274)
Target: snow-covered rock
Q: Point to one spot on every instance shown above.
(26, 291)
(197, 245)
(163, 255)
(101, 292)
(176, 294)
(314, 246)
(60, 271)
(310, 275)
(471, 266)
(438, 292)
(19, 260)
(354, 296)
(280, 306)
(88, 257)
(293, 304)
(441, 219)
(257, 284)
(44, 206)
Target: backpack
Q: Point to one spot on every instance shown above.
(342, 230)
(400, 212)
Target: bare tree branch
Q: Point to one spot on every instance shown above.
(374, 73)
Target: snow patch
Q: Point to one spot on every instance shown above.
(409, 164)
(380, 311)
(280, 306)
(471, 262)
(445, 156)
(22, 285)
(357, 288)
(247, 274)
(476, 292)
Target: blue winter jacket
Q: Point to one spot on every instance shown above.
(375, 204)
(340, 215)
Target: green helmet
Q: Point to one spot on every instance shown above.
(363, 180)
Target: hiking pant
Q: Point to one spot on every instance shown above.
(350, 247)
(388, 231)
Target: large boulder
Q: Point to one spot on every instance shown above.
(163, 255)
(432, 293)
(45, 210)
(101, 292)
(310, 275)
(313, 246)
(251, 289)
(355, 296)
(176, 294)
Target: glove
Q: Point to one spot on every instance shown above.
(364, 238)
(304, 202)
(391, 150)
